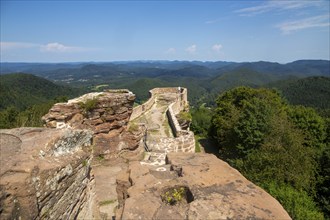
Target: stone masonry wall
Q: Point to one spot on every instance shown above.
(141, 109)
(174, 124)
(184, 140)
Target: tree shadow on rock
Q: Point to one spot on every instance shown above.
(210, 146)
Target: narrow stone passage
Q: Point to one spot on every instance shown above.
(159, 134)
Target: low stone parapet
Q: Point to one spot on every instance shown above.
(185, 142)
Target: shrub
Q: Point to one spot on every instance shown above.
(88, 105)
(297, 203)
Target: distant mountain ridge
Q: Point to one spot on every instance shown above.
(299, 67)
(204, 80)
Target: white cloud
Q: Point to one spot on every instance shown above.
(50, 47)
(275, 5)
(213, 21)
(57, 47)
(311, 22)
(217, 47)
(171, 50)
(191, 49)
(16, 45)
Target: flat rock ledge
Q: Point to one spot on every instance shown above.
(198, 186)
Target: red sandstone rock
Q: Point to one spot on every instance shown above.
(108, 118)
(213, 190)
(45, 173)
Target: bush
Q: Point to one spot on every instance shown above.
(88, 105)
(201, 120)
(297, 203)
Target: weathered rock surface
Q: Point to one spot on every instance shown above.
(52, 174)
(211, 190)
(45, 173)
(105, 113)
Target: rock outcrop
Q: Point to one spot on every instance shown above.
(48, 173)
(199, 186)
(105, 113)
(45, 173)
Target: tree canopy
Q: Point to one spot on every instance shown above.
(275, 145)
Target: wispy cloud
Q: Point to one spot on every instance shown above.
(60, 48)
(217, 47)
(213, 21)
(192, 49)
(171, 50)
(278, 6)
(311, 22)
(50, 47)
(16, 45)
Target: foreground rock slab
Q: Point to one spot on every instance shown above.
(45, 174)
(199, 186)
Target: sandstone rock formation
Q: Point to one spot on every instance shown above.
(45, 173)
(105, 113)
(49, 173)
(199, 186)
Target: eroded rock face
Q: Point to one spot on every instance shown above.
(210, 189)
(105, 113)
(45, 173)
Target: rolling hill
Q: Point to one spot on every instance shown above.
(24, 90)
(204, 80)
(311, 91)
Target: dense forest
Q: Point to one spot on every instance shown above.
(311, 91)
(25, 98)
(270, 121)
(204, 80)
(281, 147)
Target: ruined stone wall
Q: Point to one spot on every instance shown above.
(184, 140)
(174, 124)
(46, 174)
(180, 103)
(141, 109)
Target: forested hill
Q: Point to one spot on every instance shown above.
(24, 90)
(204, 80)
(156, 68)
(311, 91)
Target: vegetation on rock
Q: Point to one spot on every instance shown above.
(174, 196)
(88, 105)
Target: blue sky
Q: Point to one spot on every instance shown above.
(69, 31)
